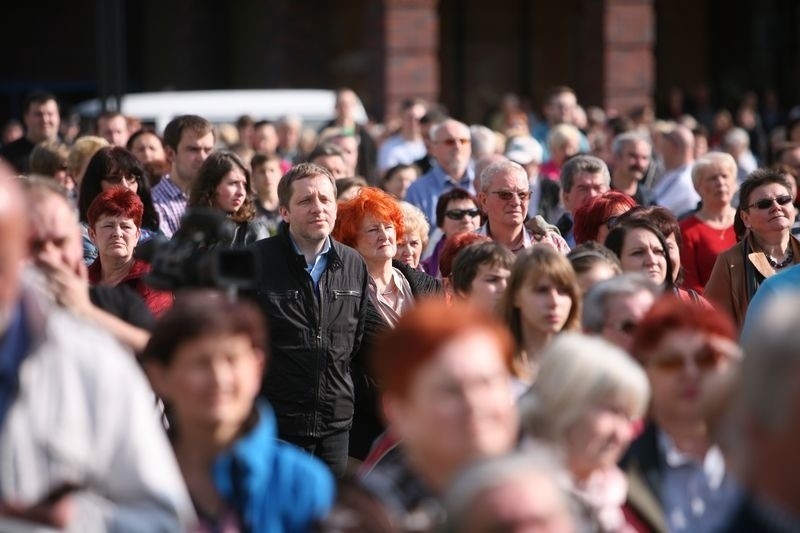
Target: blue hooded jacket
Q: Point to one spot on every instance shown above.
(274, 486)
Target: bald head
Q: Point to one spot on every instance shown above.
(13, 244)
(678, 147)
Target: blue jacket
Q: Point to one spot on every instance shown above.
(274, 486)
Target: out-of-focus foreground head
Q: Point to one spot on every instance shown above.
(13, 242)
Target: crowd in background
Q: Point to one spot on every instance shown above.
(577, 320)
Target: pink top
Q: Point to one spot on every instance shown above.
(701, 246)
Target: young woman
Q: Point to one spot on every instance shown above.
(542, 299)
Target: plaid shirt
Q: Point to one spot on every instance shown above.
(170, 203)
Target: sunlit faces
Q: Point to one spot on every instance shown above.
(311, 212)
(377, 240)
(452, 148)
(679, 368)
(349, 146)
(642, 252)
(211, 380)
(193, 150)
(489, 285)
(266, 177)
(505, 201)
(543, 305)
(585, 186)
(776, 217)
(126, 181)
(231, 191)
(115, 236)
(459, 406)
(597, 440)
(598, 272)
(717, 184)
(265, 139)
(114, 129)
(623, 314)
(409, 249)
(54, 235)
(148, 148)
(634, 159)
(460, 217)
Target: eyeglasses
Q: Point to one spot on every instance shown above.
(458, 214)
(130, 179)
(506, 196)
(705, 359)
(766, 203)
(454, 142)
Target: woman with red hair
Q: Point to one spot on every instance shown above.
(372, 223)
(115, 221)
(592, 219)
(685, 351)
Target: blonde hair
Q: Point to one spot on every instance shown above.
(576, 373)
(415, 222)
(82, 151)
(562, 134)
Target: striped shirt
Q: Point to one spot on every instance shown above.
(170, 203)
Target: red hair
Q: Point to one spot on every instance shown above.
(422, 332)
(369, 202)
(669, 314)
(453, 246)
(116, 202)
(594, 213)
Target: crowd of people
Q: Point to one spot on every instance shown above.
(579, 322)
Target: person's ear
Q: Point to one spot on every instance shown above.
(170, 154)
(93, 235)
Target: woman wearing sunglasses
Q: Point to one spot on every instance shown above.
(767, 212)
(456, 213)
(677, 475)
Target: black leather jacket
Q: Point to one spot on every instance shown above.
(312, 339)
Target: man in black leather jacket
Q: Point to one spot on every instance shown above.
(313, 291)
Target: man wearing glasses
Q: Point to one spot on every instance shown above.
(582, 178)
(452, 150)
(504, 196)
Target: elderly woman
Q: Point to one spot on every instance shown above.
(415, 236)
(457, 212)
(593, 220)
(371, 223)
(115, 219)
(583, 403)
(767, 212)
(223, 184)
(115, 167)
(678, 477)
(205, 359)
(709, 231)
(542, 299)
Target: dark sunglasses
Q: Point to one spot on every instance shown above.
(116, 178)
(705, 360)
(458, 214)
(508, 195)
(766, 203)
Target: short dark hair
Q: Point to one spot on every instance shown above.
(174, 130)
(261, 158)
(299, 172)
(616, 239)
(757, 178)
(453, 194)
(325, 149)
(466, 263)
(38, 97)
(197, 314)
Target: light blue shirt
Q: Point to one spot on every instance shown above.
(319, 265)
(782, 283)
(424, 193)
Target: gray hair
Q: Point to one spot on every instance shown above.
(709, 160)
(629, 137)
(484, 140)
(532, 462)
(596, 299)
(577, 372)
(736, 138)
(579, 164)
(499, 167)
(434, 131)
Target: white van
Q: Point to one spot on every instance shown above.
(313, 106)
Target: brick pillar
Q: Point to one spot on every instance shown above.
(629, 62)
(410, 52)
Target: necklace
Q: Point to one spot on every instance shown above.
(777, 266)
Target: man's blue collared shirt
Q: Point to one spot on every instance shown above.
(320, 263)
(424, 193)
